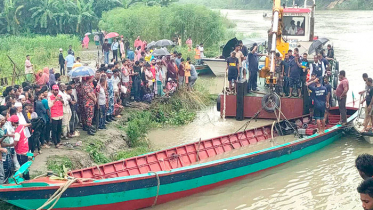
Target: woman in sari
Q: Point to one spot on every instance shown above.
(85, 42)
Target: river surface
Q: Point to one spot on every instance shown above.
(326, 179)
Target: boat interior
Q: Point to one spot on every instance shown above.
(194, 153)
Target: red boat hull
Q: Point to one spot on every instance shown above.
(291, 107)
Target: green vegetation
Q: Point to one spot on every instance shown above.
(57, 164)
(259, 4)
(43, 51)
(154, 23)
(94, 149)
(178, 110)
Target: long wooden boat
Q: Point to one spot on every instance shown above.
(173, 173)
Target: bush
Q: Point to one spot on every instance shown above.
(155, 23)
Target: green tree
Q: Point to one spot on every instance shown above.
(83, 15)
(9, 16)
(45, 15)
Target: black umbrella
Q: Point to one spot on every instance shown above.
(164, 43)
(316, 44)
(160, 52)
(229, 47)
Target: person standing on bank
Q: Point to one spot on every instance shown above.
(341, 93)
(29, 69)
(106, 51)
(253, 67)
(233, 69)
(55, 102)
(69, 62)
(61, 61)
(114, 48)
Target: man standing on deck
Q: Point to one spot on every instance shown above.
(253, 67)
(240, 57)
(341, 94)
(245, 53)
(232, 69)
(369, 104)
(286, 73)
(366, 193)
(367, 118)
(321, 102)
(294, 75)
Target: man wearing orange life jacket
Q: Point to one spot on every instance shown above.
(197, 56)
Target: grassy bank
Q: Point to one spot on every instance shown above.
(43, 51)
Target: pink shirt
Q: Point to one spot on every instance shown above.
(341, 86)
(20, 137)
(137, 43)
(189, 41)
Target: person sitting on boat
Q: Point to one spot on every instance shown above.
(364, 165)
(369, 104)
(321, 102)
(232, 69)
(366, 193)
(294, 75)
(292, 30)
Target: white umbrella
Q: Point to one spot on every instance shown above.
(87, 34)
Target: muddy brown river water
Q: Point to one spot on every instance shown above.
(326, 179)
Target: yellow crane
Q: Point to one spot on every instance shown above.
(275, 42)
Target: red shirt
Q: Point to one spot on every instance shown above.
(22, 146)
(341, 86)
(57, 108)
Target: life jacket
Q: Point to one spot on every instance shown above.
(198, 54)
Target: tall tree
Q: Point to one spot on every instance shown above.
(9, 16)
(45, 14)
(83, 15)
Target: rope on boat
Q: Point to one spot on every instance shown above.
(158, 186)
(57, 195)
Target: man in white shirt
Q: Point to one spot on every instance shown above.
(116, 84)
(292, 30)
(201, 50)
(29, 71)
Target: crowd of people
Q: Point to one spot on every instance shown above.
(294, 73)
(45, 109)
